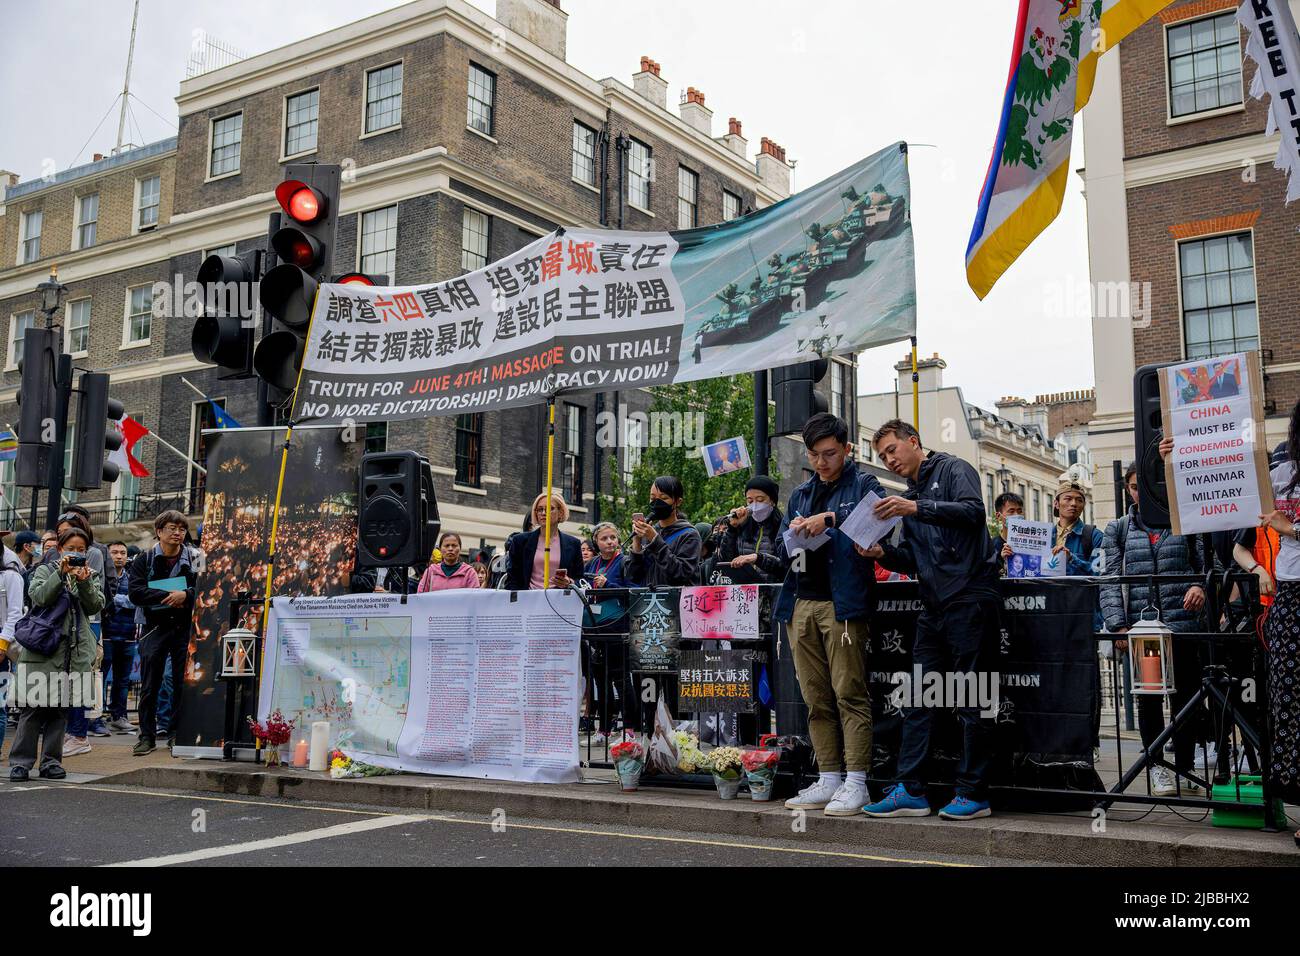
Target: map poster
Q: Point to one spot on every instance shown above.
(725, 612)
(483, 684)
(1217, 475)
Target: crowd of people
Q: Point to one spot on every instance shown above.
(74, 609)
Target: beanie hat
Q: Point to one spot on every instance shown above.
(764, 484)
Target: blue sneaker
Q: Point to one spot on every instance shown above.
(964, 808)
(898, 803)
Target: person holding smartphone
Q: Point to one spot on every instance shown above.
(63, 675)
(665, 550)
(527, 561)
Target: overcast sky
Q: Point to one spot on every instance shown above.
(831, 80)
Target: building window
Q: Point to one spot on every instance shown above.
(571, 440)
(69, 491)
(584, 154)
(9, 486)
(376, 437)
(482, 99)
(22, 322)
(1218, 284)
(731, 207)
(639, 174)
(77, 337)
(474, 240)
(383, 98)
(87, 219)
(146, 216)
(633, 443)
(379, 243)
(838, 404)
(1204, 65)
(219, 251)
(688, 198)
(31, 247)
(139, 315)
(227, 137)
(204, 420)
(301, 116)
(126, 498)
(469, 450)
(989, 496)
(1038, 505)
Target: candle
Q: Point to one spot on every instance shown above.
(320, 742)
(1152, 679)
(300, 754)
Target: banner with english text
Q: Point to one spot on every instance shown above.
(828, 271)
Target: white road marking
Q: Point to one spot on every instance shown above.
(289, 839)
(18, 789)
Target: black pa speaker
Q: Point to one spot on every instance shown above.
(397, 510)
(1148, 430)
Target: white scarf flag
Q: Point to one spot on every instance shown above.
(1275, 46)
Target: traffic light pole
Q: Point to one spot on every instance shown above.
(62, 397)
(761, 452)
(265, 413)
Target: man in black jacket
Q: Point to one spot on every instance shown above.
(946, 544)
(165, 615)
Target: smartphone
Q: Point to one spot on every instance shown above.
(638, 517)
(562, 578)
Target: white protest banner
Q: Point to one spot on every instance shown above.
(1031, 543)
(864, 527)
(828, 271)
(727, 612)
(467, 683)
(1217, 475)
(1272, 42)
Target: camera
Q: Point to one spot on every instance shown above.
(76, 560)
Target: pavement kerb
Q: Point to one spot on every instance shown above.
(1051, 839)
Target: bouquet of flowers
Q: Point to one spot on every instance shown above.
(629, 761)
(341, 765)
(690, 759)
(273, 734)
(725, 762)
(760, 772)
(629, 749)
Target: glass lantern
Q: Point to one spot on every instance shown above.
(1151, 654)
(239, 653)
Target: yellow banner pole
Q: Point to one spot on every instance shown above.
(916, 389)
(550, 484)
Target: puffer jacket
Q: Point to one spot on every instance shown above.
(1129, 550)
(76, 652)
(762, 539)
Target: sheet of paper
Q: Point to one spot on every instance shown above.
(864, 527)
(799, 542)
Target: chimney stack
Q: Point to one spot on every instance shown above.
(735, 138)
(772, 168)
(98, 157)
(650, 85)
(541, 21)
(695, 114)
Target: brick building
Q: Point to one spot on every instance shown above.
(1187, 213)
(463, 138)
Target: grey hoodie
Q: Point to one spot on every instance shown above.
(672, 559)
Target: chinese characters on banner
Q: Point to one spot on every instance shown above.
(831, 270)
(720, 682)
(1217, 474)
(1031, 544)
(728, 613)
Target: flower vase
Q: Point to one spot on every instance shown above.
(272, 758)
(629, 774)
(761, 783)
(728, 786)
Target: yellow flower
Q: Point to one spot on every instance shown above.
(436, 557)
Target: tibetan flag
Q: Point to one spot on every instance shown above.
(222, 417)
(8, 445)
(132, 431)
(1053, 67)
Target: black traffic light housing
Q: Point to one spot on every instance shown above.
(95, 436)
(36, 399)
(794, 390)
(224, 334)
(309, 198)
(397, 510)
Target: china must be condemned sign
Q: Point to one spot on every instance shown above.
(829, 270)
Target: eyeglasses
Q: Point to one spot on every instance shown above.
(826, 456)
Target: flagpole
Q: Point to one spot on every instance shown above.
(197, 391)
(170, 447)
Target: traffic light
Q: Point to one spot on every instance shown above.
(309, 197)
(397, 510)
(794, 389)
(36, 398)
(359, 278)
(95, 435)
(224, 334)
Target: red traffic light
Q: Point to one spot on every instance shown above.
(303, 203)
(354, 278)
(296, 247)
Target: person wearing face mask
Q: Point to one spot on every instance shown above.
(605, 570)
(527, 559)
(752, 543)
(665, 549)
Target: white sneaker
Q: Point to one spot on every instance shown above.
(812, 798)
(1191, 788)
(75, 745)
(1162, 782)
(848, 801)
(121, 725)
